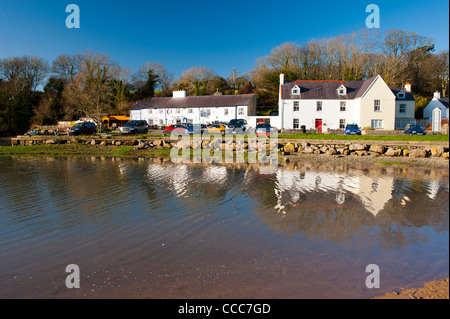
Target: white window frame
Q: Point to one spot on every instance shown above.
(377, 105)
(319, 106)
(296, 105)
(342, 123)
(402, 108)
(241, 111)
(190, 111)
(343, 106)
(295, 90)
(225, 111)
(342, 90)
(296, 123)
(377, 124)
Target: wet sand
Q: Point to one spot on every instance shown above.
(436, 289)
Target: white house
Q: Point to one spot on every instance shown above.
(437, 102)
(194, 109)
(332, 104)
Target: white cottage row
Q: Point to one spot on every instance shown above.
(320, 105)
(194, 109)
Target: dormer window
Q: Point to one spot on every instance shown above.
(401, 95)
(295, 90)
(342, 90)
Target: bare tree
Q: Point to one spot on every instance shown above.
(195, 79)
(91, 91)
(66, 67)
(155, 73)
(24, 72)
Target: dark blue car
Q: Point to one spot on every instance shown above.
(199, 128)
(352, 129)
(413, 129)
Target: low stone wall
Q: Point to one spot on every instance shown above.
(285, 147)
(361, 149)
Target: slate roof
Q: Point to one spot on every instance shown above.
(444, 101)
(408, 95)
(197, 101)
(322, 90)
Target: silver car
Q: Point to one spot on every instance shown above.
(134, 127)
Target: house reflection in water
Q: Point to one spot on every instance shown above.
(374, 192)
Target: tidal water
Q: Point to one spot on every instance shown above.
(153, 229)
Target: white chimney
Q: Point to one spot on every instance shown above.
(281, 79)
(408, 87)
(179, 94)
(437, 95)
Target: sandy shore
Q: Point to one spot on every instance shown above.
(436, 289)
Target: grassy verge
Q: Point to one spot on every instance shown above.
(315, 136)
(65, 150)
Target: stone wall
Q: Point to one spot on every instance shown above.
(285, 147)
(361, 149)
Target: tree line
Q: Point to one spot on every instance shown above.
(90, 84)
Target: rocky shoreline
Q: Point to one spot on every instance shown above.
(411, 154)
(436, 289)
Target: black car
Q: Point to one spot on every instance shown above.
(88, 128)
(236, 124)
(134, 127)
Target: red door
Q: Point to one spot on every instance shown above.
(319, 125)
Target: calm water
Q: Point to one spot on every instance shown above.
(147, 229)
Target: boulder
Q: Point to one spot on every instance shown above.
(361, 153)
(358, 147)
(418, 153)
(393, 152)
(52, 141)
(445, 155)
(290, 148)
(331, 151)
(437, 151)
(377, 149)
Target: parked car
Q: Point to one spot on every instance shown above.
(237, 124)
(134, 127)
(87, 128)
(176, 129)
(218, 122)
(216, 129)
(190, 127)
(263, 129)
(413, 129)
(352, 129)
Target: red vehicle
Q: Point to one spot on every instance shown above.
(263, 129)
(176, 129)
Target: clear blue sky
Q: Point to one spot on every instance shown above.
(217, 34)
